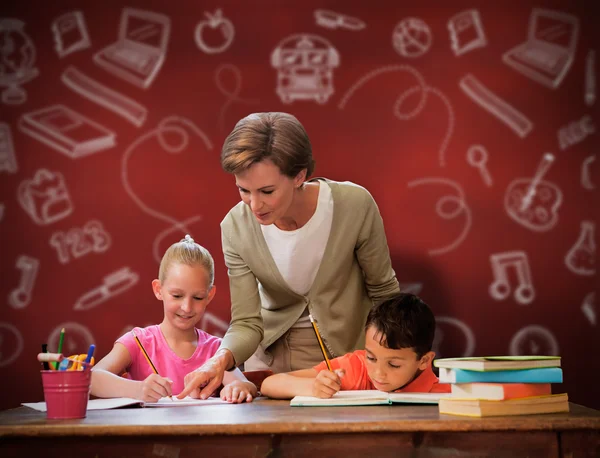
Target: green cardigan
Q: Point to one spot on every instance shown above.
(355, 273)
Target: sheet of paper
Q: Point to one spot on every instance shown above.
(93, 404)
(187, 401)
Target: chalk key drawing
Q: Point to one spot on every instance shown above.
(412, 37)
(70, 33)
(332, 20)
(45, 198)
(113, 284)
(305, 66)
(17, 60)
(172, 126)
(548, 53)
(477, 156)
(500, 288)
(141, 47)
(534, 340)
(8, 161)
(78, 242)
(421, 88)
(534, 203)
(496, 106)
(67, 131)
(581, 258)
(460, 208)
(20, 297)
(466, 32)
(220, 30)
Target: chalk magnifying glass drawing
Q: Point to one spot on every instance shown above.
(444, 209)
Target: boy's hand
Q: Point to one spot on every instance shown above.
(327, 383)
(154, 388)
(238, 391)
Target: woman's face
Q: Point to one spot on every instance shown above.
(267, 191)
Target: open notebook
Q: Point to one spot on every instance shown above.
(368, 398)
(115, 403)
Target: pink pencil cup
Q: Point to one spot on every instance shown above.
(66, 393)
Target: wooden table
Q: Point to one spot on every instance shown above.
(268, 428)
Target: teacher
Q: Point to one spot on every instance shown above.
(293, 247)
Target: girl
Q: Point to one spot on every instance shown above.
(176, 346)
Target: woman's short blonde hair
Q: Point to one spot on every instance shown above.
(276, 136)
(188, 252)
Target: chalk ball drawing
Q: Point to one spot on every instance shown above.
(534, 340)
(446, 328)
(412, 37)
(11, 344)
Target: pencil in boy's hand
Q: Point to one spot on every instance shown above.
(146, 355)
(314, 324)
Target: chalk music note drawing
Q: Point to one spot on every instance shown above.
(20, 297)
(534, 203)
(500, 288)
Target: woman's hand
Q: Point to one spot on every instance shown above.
(154, 388)
(327, 383)
(238, 391)
(204, 381)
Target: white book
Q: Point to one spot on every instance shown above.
(368, 398)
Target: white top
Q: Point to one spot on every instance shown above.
(298, 253)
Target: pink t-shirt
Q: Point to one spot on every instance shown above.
(167, 363)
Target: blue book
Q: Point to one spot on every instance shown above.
(541, 375)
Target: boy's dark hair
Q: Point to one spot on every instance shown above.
(404, 321)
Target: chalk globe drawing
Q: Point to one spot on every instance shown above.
(411, 37)
(6, 329)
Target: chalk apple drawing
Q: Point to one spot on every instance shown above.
(224, 27)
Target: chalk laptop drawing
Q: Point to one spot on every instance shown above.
(140, 51)
(548, 53)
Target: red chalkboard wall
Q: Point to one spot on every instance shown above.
(472, 123)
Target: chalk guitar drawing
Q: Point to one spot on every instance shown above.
(500, 288)
(589, 308)
(8, 334)
(231, 94)
(496, 106)
(141, 47)
(77, 337)
(424, 91)
(534, 203)
(173, 126)
(466, 32)
(45, 198)
(305, 66)
(477, 156)
(586, 181)
(581, 258)
(534, 340)
(445, 324)
(67, 131)
(214, 24)
(78, 242)
(412, 37)
(8, 161)
(113, 284)
(17, 60)
(20, 297)
(548, 53)
(104, 96)
(70, 33)
(332, 20)
(458, 201)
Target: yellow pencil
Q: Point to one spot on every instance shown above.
(146, 355)
(314, 323)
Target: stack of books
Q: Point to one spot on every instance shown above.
(501, 385)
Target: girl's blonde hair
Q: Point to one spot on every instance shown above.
(188, 252)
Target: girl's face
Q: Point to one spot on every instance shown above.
(185, 293)
(267, 191)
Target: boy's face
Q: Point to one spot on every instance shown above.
(391, 369)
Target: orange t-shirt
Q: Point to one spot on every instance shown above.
(357, 378)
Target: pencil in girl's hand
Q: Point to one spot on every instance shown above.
(146, 355)
(320, 342)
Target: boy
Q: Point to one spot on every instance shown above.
(397, 357)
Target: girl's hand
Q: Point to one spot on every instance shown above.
(238, 391)
(154, 388)
(327, 383)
